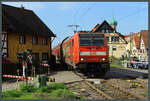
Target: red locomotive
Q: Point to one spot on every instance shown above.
(85, 51)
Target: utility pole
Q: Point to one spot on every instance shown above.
(130, 47)
(76, 26)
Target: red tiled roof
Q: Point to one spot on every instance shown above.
(144, 33)
(137, 40)
(133, 34)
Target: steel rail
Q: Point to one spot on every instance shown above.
(103, 94)
(94, 88)
(98, 91)
(127, 92)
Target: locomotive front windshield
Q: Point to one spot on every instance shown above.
(91, 39)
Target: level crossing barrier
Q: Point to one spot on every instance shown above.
(19, 77)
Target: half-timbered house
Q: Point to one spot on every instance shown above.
(116, 42)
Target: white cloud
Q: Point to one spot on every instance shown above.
(36, 6)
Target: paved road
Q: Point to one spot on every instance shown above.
(124, 73)
(138, 70)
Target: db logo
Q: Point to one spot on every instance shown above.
(93, 53)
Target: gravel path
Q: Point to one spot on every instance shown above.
(12, 84)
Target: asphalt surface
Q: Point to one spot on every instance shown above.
(125, 73)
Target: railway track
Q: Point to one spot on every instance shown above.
(109, 91)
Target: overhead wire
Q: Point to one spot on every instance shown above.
(87, 10)
(138, 11)
(76, 13)
(74, 16)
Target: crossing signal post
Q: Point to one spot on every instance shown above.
(26, 60)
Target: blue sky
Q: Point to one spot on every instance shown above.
(131, 16)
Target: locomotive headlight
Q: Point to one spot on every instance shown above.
(103, 59)
(81, 59)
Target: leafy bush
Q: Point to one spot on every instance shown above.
(11, 93)
(53, 86)
(27, 88)
(116, 66)
(63, 93)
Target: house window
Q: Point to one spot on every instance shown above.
(44, 56)
(107, 31)
(110, 31)
(114, 48)
(44, 41)
(35, 40)
(35, 56)
(22, 39)
(117, 39)
(107, 38)
(134, 51)
(140, 50)
(112, 39)
(103, 31)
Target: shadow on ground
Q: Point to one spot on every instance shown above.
(124, 74)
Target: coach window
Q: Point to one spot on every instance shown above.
(22, 39)
(72, 42)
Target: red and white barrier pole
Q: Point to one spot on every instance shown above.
(24, 64)
(18, 77)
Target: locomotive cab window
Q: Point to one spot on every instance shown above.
(91, 39)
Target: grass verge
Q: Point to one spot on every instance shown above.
(116, 66)
(52, 91)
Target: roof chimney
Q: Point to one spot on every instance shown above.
(22, 6)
